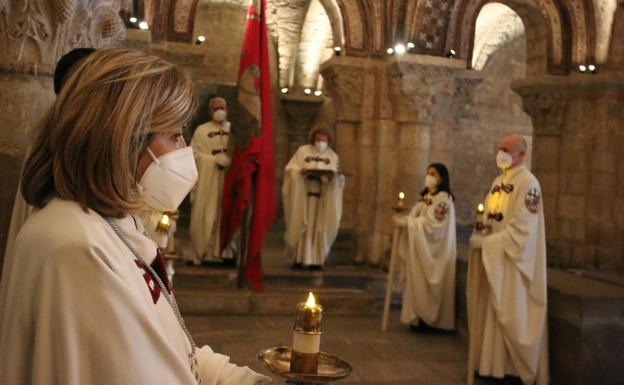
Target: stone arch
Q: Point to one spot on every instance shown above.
(429, 25)
(335, 18)
(541, 18)
(356, 21)
(616, 43)
(314, 46)
(181, 20)
(497, 27)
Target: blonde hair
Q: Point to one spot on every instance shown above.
(88, 145)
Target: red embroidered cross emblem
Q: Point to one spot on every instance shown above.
(159, 267)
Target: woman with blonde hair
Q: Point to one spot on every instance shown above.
(84, 295)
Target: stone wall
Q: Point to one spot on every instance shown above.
(579, 147)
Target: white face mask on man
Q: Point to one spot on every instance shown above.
(321, 145)
(219, 116)
(504, 160)
(168, 179)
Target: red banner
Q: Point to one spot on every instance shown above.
(251, 177)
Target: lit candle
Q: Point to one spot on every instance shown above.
(307, 337)
(400, 203)
(480, 217)
(163, 228)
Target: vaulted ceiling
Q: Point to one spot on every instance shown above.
(574, 31)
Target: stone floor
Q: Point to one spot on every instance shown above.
(396, 357)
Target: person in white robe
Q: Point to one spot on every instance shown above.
(427, 250)
(507, 306)
(210, 147)
(312, 199)
(84, 296)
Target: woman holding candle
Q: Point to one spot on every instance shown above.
(84, 296)
(427, 248)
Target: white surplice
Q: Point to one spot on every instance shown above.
(507, 312)
(427, 249)
(78, 308)
(312, 207)
(210, 141)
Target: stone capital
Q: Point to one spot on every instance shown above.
(421, 89)
(344, 78)
(546, 98)
(34, 34)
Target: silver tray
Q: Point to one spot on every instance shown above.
(330, 368)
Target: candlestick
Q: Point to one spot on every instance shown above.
(306, 337)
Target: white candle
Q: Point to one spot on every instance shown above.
(306, 337)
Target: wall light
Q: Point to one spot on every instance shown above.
(143, 25)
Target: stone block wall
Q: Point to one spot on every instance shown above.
(579, 141)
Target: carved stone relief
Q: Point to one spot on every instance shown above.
(35, 33)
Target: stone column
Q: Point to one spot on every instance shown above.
(386, 113)
(345, 79)
(578, 156)
(33, 35)
(301, 112)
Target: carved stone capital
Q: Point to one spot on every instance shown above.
(34, 34)
(420, 92)
(344, 79)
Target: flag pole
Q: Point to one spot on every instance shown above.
(244, 250)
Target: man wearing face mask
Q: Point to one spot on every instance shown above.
(506, 292)
(426, 246)
(312, 197)
(210, 144)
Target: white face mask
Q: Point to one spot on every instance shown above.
(503, 160)
(431, 182)
(321, 145)
(219, 116)
(168, 179)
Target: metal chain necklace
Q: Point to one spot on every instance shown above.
(170, 299)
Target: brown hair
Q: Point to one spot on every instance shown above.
(87, 147)
(322, 130)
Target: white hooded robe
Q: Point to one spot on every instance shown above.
(312, 208)
(209, 140)
(78, 308)
(507, 308)
(427, 249)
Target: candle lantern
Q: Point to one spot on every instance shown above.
(307, 337)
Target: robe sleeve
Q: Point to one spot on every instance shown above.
(216, 369)
(89, 325)
(434, 220)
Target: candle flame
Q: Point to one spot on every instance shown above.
(480, 208)
(401, 195)
(165, 220)
(311, 303)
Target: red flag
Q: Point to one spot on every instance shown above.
(251, 177)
